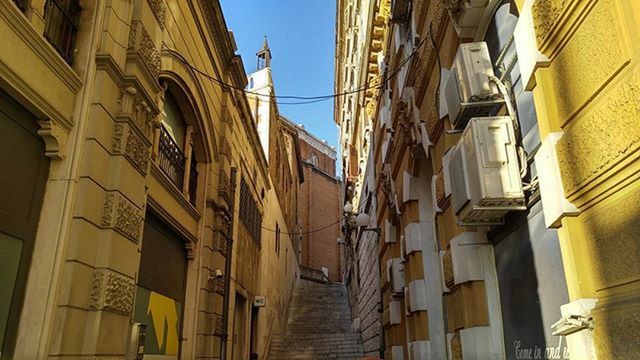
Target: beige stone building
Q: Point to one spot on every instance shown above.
(140, 214)
(497, 178)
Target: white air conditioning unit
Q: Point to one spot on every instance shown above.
(469, 92)
(485, 173)
(395, 275)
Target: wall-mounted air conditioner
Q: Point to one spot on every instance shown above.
(395, 275)
(469, 91)
(485, 173)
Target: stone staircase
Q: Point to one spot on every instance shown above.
(319, 326)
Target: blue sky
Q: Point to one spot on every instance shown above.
(301, 36)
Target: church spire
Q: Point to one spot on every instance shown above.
(264, 55)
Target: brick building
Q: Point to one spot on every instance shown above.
(319, 205)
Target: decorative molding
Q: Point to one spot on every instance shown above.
(220, 242)
(141, 42)
(129, 144)
(54, 138)
(219, 326)
(121, 215)
(111, 291)
(158, 9)
(135, 109)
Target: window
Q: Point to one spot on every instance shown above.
(313, 159)
(250, 216)
(173, 145)
(62, 18)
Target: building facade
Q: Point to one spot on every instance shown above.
(531, 276)
(143, 215)
(319, 206)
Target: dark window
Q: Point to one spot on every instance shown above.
(61, 18)
(249, 214)
(21, 4)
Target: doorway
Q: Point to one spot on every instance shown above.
(239, 328)
(25, 169)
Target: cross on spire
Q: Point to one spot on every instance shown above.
(264, 55)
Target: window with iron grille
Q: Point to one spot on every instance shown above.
(62, 18)
(250, 216)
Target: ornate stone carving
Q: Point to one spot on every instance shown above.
(591, 145)
(158, 9)
(218, 285)
(133, 107)
(595, 46)
(220, 242)
(219, 326)
(121, 215)
(225, 148)
(111, 291)
(141, 42)
(190, 247)
(128, 143)
(54, 138)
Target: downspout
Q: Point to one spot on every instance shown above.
(227, 268)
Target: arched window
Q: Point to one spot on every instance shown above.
(175, 150)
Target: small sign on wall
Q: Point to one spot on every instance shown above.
(259, 301)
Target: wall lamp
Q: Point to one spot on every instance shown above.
(362, 220)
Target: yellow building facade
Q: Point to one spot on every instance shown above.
(140, 217)
(555, 276)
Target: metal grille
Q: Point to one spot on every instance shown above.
(171, 159)
(193, 180)
(62, 18)
(249, 214)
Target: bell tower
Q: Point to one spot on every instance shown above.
(264, 55)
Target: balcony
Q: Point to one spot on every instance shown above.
(61, 18)
(171, 160)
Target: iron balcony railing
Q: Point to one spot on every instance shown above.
(171, 159)
(62, 18)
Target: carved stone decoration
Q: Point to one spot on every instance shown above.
(189, 246)
(225, 148)
(111, 291)
(134, 108)
(158, 9)
(121, 215)
(220, 243)
(219, 326)
(54, 138)
(218, 285)
(141, 42)
(129, 144)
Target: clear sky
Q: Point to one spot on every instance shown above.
(301, 35)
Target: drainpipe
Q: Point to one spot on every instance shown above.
(227, 268)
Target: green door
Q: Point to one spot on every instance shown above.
(23, 175)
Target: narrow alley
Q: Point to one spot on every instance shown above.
(328, 179)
